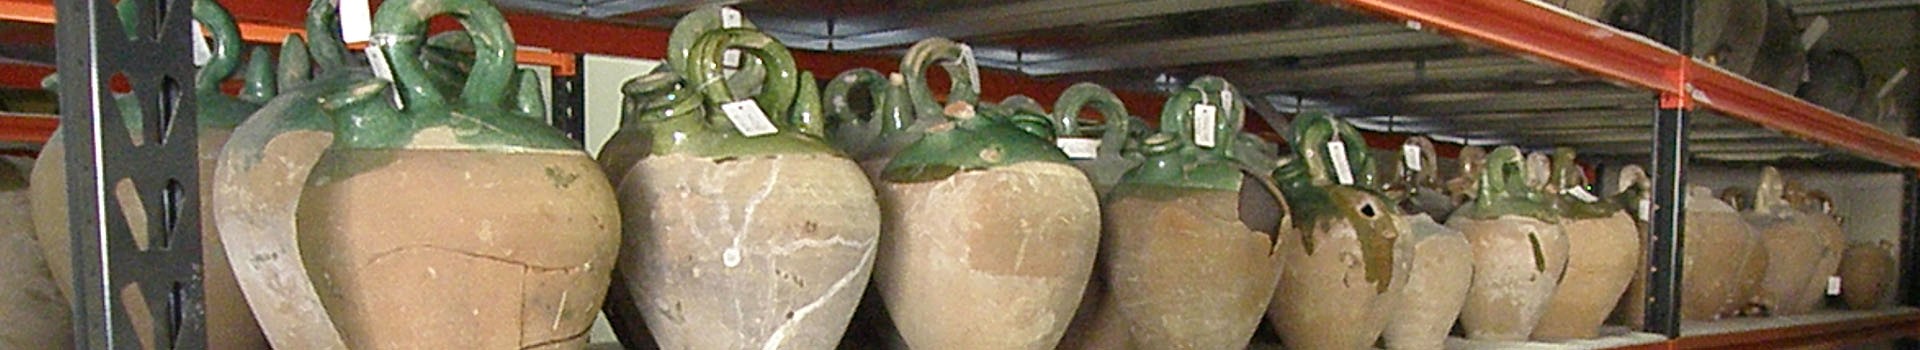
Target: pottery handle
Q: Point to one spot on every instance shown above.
(808, 116)
(686, 32)
(956, 59)
(1566, 173)
(323, 35)
(1504, 175)
(1312, 131)
(1114, 118)
(261, 83)
(400, 26)
(1770, 196)
(1429, 171)
(838, 96)
(706, 72)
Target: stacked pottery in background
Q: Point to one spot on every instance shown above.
(1803, 248)
(35, 312)
(1719, 249)
(1184, 271)
(1463, 186)
(1603, 241)
(1345, 259)
(394, 273)
(738, 237)
(1519, 251)
(990, 232)
(229, 320)
(1096, 325)
(1417, 184)
(1866, 275)
(1442, 268)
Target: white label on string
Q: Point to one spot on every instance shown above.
(377, 57)
(1079, 147)
(730, 18)
(1204, 121)
(356, 21)
(201, 52)
(1814, 31)
(1646, 210)
(1582, 194)
(748, 118)
(1411, 155)
(1887, 88)
(1343, 171)
(1833, 285)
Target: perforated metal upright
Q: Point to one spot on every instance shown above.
(1666, 246)
(114, 277)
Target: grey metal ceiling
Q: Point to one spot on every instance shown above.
(1291, 54)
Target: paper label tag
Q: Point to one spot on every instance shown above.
(201, 52)
(1078, 147)
(1205, 118)
(356, 21)
(377, 57)
(1833, 285)
(748, 118)
(1338, 152)
(1411, 155)
(1814, 31)
(1226, 100)
(1582, 194)
(1646, 210)
(730, 18)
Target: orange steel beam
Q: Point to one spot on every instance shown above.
(1533, 29)
(32, 11)
(27, 128)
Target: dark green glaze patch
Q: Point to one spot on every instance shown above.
(1319, 201)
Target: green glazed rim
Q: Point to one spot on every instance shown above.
(1174, 159)
(1114, 128)
(682, 114)
(1503, 190)
(973, 137)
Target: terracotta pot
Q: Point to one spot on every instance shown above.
(1345, 262)
(1603, 242)
(1719, 250)
(1097, 325)
(1519, 252)
(1866, 274)
(1436, 286)
(1184, 272)
(229, 321)
(990, 230)
(36, 314)
(1827, 227)
(1630, 193)
(1803, 249)
(336, 262)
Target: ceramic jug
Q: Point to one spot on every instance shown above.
(991, 233)
(1803, 248)
(1602, 240)
(1416, 185)
(1719, 256)
(339, 156)
(1184, 271)
(229, 320)
(1345, 260)
(1828, 233)
(1866, 273)
(1114, 152)
(1437, 285)
(737, 237)
(1519, 251)
(861, 135)
(1630, 192)
(1463, 186)
(36, 314)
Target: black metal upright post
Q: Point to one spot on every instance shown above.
(1669, 181)
(570, 101)
(119, 283)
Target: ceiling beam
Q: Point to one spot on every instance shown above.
(1537, 102)
(893, 30)
(1403, 73)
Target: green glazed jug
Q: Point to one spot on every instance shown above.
(229, 320)
(1602, 242)
(1519, 251)
(888, 112)
(1184, 271)
(991, 232)
(1346, 261)
(1442, 258)
(745, 229)
(1114, 151)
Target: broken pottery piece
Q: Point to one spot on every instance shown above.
(1346, 264)
(991, 233)
(1519, 251)
(1602, 241)
(1184, 271)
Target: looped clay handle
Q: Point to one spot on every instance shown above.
(956, 59)
(1313, 131)
(1504, 176)
(707, 73)
(400, 25)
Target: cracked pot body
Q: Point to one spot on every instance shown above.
(1436, 286)
(988, 259)
(1183, 271)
